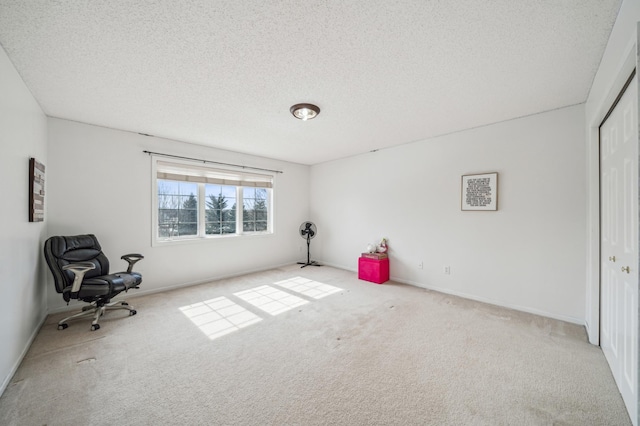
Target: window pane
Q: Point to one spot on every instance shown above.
(177, 208)
(255, 213)
(229, 191)
(220, 209)
(211, 189)
(229, 227)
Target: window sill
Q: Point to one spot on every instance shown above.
(207, 239)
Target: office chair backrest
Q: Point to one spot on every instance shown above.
(61, 251)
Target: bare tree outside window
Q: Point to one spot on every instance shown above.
(177, 209)
(255, 209)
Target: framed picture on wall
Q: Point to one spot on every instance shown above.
(480, 192)
(36, 191)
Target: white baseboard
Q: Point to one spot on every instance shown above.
(9, 377)
(489, 301)
(143, 292)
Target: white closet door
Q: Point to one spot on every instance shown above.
(619, 245)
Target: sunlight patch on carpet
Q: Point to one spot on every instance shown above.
(219, 316)
(270, 300)
(307, 287)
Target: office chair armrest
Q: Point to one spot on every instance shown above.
(78, 269)
(132, 259)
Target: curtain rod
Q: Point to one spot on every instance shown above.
(211, 162)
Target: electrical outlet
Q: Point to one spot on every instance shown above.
(447, 270)
(420, 265)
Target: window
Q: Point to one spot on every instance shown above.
(194, 201)
(254, 209)
(177, 208)
(220, 209)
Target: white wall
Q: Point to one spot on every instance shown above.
(618, 61)
(23, 304)
(528, 255)
(99, 182)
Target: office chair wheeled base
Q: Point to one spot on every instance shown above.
(96, 310)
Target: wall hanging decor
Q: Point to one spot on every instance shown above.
(36, 191)
(480, 192)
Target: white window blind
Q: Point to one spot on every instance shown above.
(202, 174)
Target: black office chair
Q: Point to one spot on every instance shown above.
(81, 271)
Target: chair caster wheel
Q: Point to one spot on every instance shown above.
(132, 312)
(124, 304)
(62, 326)
(95, 327)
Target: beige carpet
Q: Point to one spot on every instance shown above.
(365, 354)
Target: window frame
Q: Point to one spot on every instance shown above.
(201, 236)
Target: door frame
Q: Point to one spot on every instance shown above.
(603, 108)
(622, 313)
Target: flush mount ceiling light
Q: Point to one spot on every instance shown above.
(304, 111)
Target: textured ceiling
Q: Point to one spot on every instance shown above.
(384, 72)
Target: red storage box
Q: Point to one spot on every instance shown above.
(373, 270)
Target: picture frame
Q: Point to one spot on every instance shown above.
(36, 191)
(480, 192)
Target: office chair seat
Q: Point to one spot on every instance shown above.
(81, 271)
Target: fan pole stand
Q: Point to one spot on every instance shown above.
(309, 262)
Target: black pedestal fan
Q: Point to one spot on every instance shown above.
(308, 230)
